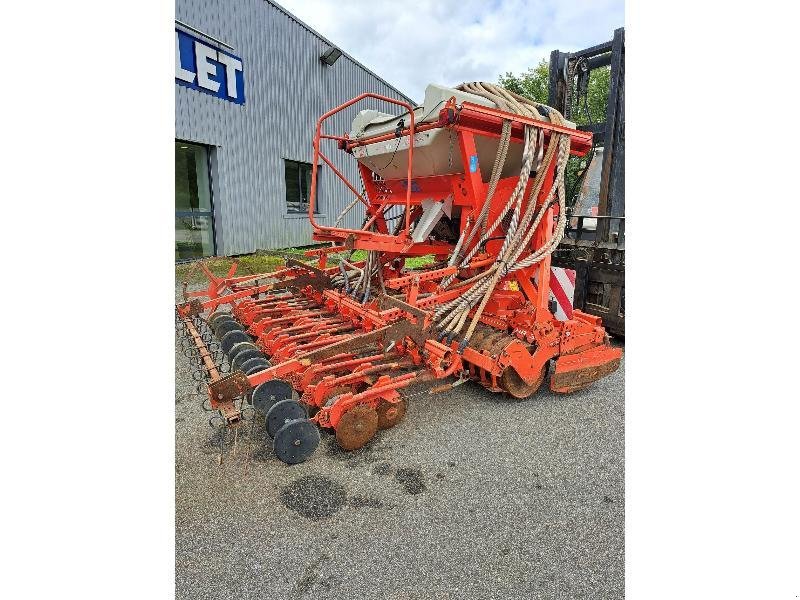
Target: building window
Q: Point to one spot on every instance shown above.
(194, 218)
(298, 186)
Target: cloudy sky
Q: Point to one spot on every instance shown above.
(451, 41)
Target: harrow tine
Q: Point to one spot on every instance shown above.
(250, 444)
(222, 443)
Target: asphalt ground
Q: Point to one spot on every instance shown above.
(472, 495)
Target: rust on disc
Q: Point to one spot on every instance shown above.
(356, 427)
(511, 382)
(390, 413)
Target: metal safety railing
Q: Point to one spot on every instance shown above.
(318, 154)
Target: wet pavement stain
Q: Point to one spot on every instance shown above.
(364, 502)
(412, 480)
(313, 496)
(382, 469)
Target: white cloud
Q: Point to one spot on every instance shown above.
(451, 41)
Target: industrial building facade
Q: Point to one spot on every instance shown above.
(251, 80)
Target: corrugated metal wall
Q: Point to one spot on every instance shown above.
(286, 89)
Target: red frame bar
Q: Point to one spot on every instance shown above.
(475, 115)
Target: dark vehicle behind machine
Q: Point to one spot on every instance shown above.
(594, 244)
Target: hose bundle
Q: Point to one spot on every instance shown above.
(451, 317)
(520, 225)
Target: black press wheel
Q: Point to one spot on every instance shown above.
(254, 362)
(281, 413)
(239, 348)
(224, 326)
(269, 393)
(218, 317)
(256, 368)
(246, 355)
(232, 338)
(296, 441)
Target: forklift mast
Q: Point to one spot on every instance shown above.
(594, 243)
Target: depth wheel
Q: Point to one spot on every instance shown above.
(257, 366)
(281, 413)
(511, 382)
(240, 347)
(218, 317)
(356, 427)
(296, 441)
(245, 356)
(230, 339)
(251, 362)
(223, 326)
(269, 393)
(390, 413)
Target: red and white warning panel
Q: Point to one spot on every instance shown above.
(562, 290)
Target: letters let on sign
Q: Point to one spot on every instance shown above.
(208, 69)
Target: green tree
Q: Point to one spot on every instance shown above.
(534, 84)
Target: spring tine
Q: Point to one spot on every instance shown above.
(250, 443)
(222, 443)
(250, 447)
